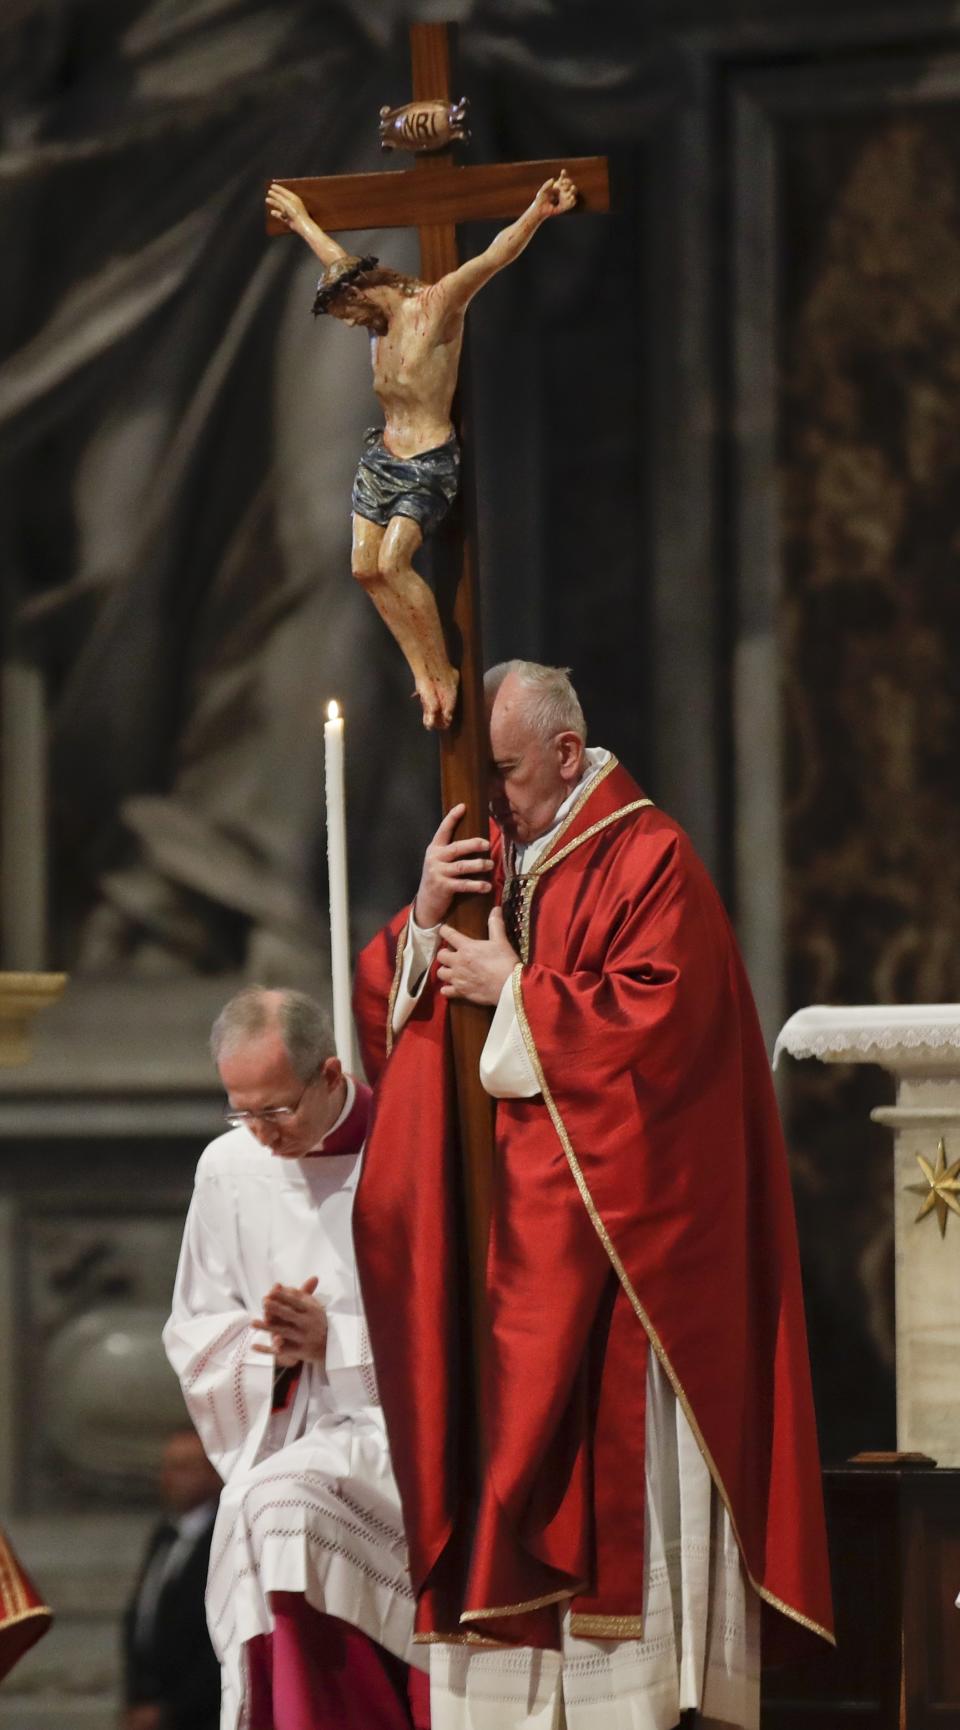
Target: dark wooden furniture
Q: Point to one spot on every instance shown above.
(895, 1556)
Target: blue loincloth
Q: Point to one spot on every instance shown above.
(422, 487)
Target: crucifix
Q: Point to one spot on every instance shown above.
(433, 195)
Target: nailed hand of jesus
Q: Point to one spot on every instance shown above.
(285, 205)
(472, 967)
(556, 196)
(296, 1323)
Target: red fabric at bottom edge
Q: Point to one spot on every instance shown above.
(315, 1672)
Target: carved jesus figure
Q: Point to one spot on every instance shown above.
(409, 473)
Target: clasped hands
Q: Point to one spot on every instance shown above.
(296, 1323)
(472, 968)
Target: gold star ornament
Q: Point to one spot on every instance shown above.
(941, 1188)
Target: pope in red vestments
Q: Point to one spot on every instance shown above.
(641, 1205)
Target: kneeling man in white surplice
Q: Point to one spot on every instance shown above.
(308, 1598)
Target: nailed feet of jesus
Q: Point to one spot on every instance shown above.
(438, 699)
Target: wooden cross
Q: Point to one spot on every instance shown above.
(434, 195)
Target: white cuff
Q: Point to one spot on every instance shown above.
(421, 947)
(505, 1068)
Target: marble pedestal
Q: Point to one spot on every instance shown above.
(919, 1044)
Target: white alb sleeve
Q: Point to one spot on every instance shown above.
(505, 1067)
(420, 948)
(209, 1339)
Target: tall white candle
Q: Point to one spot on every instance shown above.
(337, 881)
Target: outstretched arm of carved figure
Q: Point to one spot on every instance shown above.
(554, 199)
(289, 207)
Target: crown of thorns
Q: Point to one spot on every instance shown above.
(339, 276)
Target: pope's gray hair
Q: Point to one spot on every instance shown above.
(303, 1026)
(552, 705)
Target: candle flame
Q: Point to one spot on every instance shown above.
(333, 711)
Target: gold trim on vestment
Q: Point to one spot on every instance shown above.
(519, 1609)
(625, 1281)
(530, 879)
(395, 987)
(588, 834)
(13, 1592)
(538, 871)
(25, 1616)
(581, 799)
(606, 1627)
(462, 1640)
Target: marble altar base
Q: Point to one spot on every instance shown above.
(919, 1044)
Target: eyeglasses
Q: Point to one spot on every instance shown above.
(270, 1113)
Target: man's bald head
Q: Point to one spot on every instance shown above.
(537, 737)
(544, 695)
(303, 1027)
(277, 1060)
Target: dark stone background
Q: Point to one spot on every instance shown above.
(870, 632)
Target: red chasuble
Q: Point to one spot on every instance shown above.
(23, 1614)
(641, 1203)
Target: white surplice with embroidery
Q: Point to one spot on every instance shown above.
(701, 1619)
(311, 1504)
